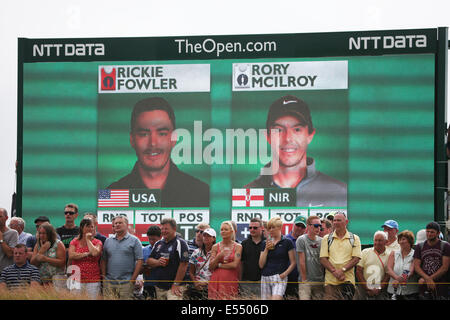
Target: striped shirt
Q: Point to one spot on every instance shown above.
(15, 276)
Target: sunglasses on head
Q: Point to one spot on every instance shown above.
(198, 230)
(69, 212)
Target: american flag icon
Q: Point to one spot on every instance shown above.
(113, 198)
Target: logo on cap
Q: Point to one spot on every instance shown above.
(289, 101)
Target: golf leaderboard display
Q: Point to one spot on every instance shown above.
(213, 128)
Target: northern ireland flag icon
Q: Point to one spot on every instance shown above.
(248, 197)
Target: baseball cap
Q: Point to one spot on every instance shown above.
(210, 231)
(42, 219)
(433, 225)
(391, 224)
(300, 219)
(289, 105)
(421, 236)
(330, 216)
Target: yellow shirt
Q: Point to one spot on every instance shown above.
(393, 246)
(374, 268)
(339, 254)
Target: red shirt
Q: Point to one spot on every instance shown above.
(89, 266)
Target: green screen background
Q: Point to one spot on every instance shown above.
(382, 145)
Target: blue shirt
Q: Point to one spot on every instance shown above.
(146, 253)
(121, 257)
(23, 237)
(277, 259)
(178, 252)
(294, 275)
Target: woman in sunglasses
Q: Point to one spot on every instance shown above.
(199, 267)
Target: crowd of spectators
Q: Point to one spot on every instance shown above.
(318, 259)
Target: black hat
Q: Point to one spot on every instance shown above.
(42, 219)
(433, 225)
(290, 105)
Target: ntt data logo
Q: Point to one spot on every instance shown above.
(108, 78)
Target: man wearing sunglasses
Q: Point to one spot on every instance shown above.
(69, 230)
(250, 284)
(311, 270)
(196, 242)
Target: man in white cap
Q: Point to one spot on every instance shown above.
(421, 236)
(391, 228)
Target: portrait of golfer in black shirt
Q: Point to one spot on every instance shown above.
(290, 118)
(152, 125)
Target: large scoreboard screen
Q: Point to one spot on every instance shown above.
(214, 128)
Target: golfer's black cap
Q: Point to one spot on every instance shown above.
(292, 106)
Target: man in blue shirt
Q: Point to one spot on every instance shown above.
(168, 262)
(154, 235)
(121, 261)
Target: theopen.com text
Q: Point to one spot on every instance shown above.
(211, 46)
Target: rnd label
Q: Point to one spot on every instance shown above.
(245, 215)
(146, 218)
(242, 218)
(105, 220)
(187, 220)
(288, 217)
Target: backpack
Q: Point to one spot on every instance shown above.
(331, 238)
(421, 244)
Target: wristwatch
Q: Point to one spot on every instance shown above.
(343, 269)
